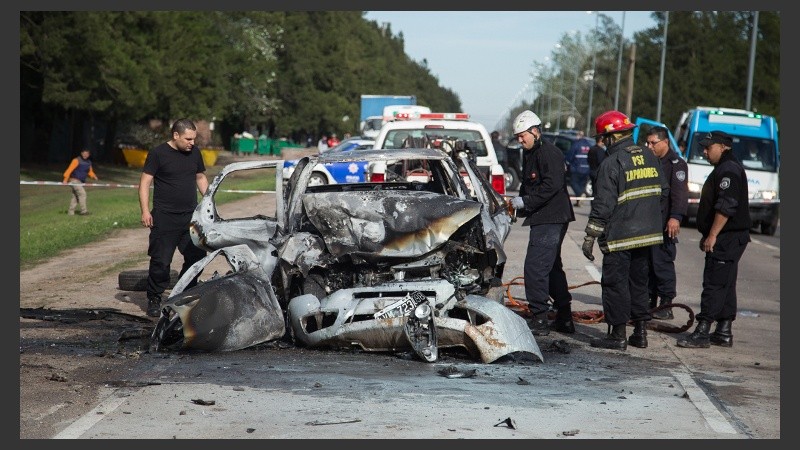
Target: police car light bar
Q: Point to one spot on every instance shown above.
(415, 115)
(450, 116)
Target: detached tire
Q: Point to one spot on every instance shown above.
(136, 280)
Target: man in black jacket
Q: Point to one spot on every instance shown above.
(597, 153)
(723, 219)
(626, 220)
(544, 202)
(663, 282)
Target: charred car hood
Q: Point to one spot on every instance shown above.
(386, 223)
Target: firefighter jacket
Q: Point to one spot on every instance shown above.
(626, 210)
(544, 186)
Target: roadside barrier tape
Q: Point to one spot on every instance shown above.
(57, 183)
(135, 186)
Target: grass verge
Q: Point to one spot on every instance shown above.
(45, 229)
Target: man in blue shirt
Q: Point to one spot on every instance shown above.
(578, 162)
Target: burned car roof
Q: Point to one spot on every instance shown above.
(402, 264)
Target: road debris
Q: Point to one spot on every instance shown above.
(508, 422)
(454, 372)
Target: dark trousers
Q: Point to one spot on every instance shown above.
(544, 272)
(578, 182)
(170, 232)
(662, 281)
(718, 299)
(624, 286)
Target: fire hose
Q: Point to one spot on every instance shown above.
(592, 316)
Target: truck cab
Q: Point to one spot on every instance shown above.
(755, 144)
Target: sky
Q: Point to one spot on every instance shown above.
(487, 58)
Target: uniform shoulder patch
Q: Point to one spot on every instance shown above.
(680, 175)
(725, 183)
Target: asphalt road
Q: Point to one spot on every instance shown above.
(273, 391)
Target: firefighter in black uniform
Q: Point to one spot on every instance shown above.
(723, 219)
(544, 202)
(673, 209)
(626, 220)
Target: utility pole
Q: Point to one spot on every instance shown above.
(663, 59)
(753, 40)
(631, 70)
(594, 67)
(560, 95)
(619, 61)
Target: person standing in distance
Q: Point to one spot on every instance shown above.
(626, 220)
(544, 202)
(597, 153)
(79, 168)
(723, 220)
(177, 172)
(578, 166)
(663, 283)
(499, 149)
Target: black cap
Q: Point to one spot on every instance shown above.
(716, 137)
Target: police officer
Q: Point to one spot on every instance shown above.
(673, 209)
(626, 220)
(544, 202)
(723, 219)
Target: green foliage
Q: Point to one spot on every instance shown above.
(289, 73)
(706, 63)
(46, 230)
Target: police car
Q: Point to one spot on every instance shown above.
(335, 173)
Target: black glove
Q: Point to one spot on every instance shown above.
(588, 245)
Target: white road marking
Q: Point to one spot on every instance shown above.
(764, 244)
(593, 272)
(710, 413)
(88, 420)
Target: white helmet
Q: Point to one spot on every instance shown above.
(525, 120)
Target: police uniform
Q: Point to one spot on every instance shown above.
(673, 206)
(725, 192)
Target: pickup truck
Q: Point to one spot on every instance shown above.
(453, 133)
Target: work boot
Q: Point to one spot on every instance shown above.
(154, 306)
(699, 338)
(614, 339)
(664, 314)
(538, 324)
(639, 336)
(653, 301)
(563, 322)
(722, 335)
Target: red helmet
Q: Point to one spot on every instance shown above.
(612, 122)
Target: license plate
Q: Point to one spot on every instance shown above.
(402, 307)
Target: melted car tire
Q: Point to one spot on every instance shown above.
(136, 280)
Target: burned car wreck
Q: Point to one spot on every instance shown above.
(406, 264)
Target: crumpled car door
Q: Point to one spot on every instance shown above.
(238, 309)
(496, 218)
